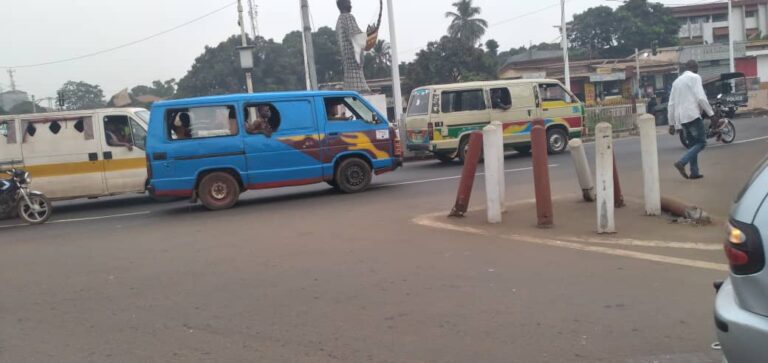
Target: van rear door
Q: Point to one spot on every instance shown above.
(125, 167)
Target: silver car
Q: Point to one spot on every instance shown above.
(741, 306)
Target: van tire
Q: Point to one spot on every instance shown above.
(218, 191)
(463, 147)
(353, 175)
(444, 158)
(557, 141)
(525, 150)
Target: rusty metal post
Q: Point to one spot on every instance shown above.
(618, 198)
(545, 217)
(468, 174)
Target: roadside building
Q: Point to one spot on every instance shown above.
(12, 98)
(708, 23)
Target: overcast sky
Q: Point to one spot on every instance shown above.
(38, 31)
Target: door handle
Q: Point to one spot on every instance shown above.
(107, 155)
(160, 156)
(530, 113)
(333, 134)
(93, 156)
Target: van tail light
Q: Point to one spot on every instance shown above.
(395, 135)
(149, 168)
(430, 131)
(744, 249)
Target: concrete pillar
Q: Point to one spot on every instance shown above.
(493, 151)
(468, 175)
(650, 156)
(542, 187)
(582, 169)
(502, 177)
(604, 179)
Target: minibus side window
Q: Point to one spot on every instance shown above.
(262, 118)
(460, 101)
(201, 122)
(554, 92)
(501, 99)
(117, 131)
(348, 109)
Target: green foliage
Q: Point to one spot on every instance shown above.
(603, 32)
(378, 63)
(3, 111)
(450, 60)
(164, 89)
(465, 25)
(81, 96)
(216, 71)
(493, 47)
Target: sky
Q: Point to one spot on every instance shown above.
(40, 31)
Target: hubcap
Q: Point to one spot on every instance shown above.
(355, 176)
(556, 141)
(219, 191)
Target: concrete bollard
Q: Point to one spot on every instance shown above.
(493, 151)
(650, 156)
(502, 177)
(468, 175)
(544, 213)
(604, 179)
(582, 169)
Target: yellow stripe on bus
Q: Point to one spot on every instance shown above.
(85, 167)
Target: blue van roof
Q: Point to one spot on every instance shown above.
(263, 96)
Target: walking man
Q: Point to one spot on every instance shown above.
(687, 102)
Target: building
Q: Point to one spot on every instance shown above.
(12, 98)
(708, 23)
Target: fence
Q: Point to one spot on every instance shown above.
(620, 117)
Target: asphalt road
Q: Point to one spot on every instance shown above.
(306, 274)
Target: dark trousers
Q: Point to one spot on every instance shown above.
(697, 140)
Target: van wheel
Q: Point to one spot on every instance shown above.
(525, 150)
(218, 191)
(557, 141)
(353, 175)
(464, 147)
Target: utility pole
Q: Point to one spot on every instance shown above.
(396, 90)
(253, 12)
(637, 70)
(248, 78)
(13, 82)
(730, 36)
(309, 46)
(34, 104)
(564, 45)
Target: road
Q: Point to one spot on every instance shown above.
(306, 274)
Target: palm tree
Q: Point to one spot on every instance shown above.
(464, 23)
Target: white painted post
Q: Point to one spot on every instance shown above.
(582, 169)
(604, 179)
(502, 179)
(491, 153)
(650, 155)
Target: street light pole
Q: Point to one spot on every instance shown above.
(248, 80)
(396, 91)
(309, 47)
(637, 69)
(564, 45)
(730, 36)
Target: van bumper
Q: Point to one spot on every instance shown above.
(419, 147)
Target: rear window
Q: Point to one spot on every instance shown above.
(460, 101)
(419, 103)
(758, 171)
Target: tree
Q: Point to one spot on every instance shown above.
(378, 63)
(449, 60)
(3, 111)
(594, 30)
(465, 24)
(493, 47)
(216, 71)
(82, 95)
(641, 22)
(163, 89)
(25, 107)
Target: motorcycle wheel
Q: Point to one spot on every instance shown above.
(727, 132)
(38, 212)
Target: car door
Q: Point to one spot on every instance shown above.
(558, 105)
(125, 168)
(282, 144)
(351, 125)
(515, 107)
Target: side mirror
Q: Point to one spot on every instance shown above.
(375, 119)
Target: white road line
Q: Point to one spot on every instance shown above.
(646, 243)
(429, 221)
(456, 177)
(741, 141)
(85, 219)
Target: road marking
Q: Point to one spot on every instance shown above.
(429, 221)
(646, 243)
(456, 177)
(741, 141)
(83, 219)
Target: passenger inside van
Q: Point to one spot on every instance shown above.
(232, 121)
(335, 109)
(500, 99)
(181, 126)
(263, 122)
(116, 136)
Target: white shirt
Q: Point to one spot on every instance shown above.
(687, 100)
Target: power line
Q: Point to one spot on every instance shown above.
(122, 45)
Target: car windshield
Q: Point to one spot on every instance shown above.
(419, 104)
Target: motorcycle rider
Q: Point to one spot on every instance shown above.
(686, 104)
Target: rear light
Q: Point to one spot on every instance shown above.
(395, 135)
(430, 131)
(149, 168)
(744, 249)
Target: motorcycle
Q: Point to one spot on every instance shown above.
(724, 130)
(16, 199)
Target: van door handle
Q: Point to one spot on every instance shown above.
(530, 112)
(93, 156)
(160, 156)
(107, 155)
(333, 134)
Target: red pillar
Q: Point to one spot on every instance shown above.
(468, 174)
(544, 214)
